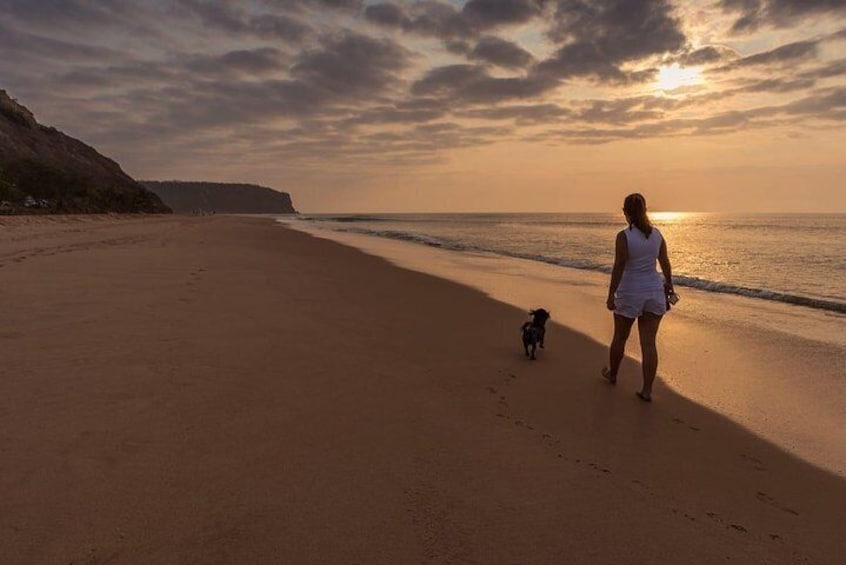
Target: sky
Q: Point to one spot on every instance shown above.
(435, 105)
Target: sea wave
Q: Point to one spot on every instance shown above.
(343, 219)
(680, 280)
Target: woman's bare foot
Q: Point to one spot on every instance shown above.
(606, 374)
(644, 397)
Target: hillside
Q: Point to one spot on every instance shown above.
(42, 170)
(191, 197)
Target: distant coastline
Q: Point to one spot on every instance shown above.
(192, 197)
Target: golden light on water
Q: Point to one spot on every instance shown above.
(670, 216)
(674, 76)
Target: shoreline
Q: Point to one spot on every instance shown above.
(224, 389)
(735, 355)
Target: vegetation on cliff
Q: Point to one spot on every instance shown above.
(196, 197)
(42, 170)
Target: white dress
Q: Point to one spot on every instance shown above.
(642, 286)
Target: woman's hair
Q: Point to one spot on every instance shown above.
(635, 208)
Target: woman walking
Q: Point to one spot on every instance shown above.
(637, 292)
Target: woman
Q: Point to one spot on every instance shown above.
(637, 291)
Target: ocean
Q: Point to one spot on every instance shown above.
(797, 259)
(759, 335)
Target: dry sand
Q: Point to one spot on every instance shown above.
(225, 390)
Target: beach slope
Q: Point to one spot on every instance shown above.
(226, 390)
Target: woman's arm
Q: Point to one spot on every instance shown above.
(666, 268)
(621, 255)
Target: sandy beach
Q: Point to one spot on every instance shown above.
(228, 390)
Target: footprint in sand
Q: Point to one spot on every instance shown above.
(715, 517)
(680, 421)
(767, 499)
(756, 463)
(491, 390)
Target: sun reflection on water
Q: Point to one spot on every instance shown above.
(671, 217)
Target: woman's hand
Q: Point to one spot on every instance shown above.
(610, 304)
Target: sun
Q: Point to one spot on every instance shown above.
(674, 76)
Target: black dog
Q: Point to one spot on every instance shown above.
(534, 331)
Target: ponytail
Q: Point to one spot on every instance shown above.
(635, 208)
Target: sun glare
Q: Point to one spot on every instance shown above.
(670, 216)
(674, 76)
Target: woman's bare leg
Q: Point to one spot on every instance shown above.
(622, 329)
(647, 327)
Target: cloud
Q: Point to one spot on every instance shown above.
(485, 14)
(707, 55)
(352, 64)
(463, 84)
(601, 36)
(439, 19)
(753, 14)
(784, 54)
(327, 83)
(521, 114)
(500, 52)
(427, 18)
(235, 19)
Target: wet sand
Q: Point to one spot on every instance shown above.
(225, 390)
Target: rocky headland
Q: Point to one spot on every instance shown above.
(205, 197)
(43, 170)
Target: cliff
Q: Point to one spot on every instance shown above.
(188, 197)
(42, 170)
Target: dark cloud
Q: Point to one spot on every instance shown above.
(825, 106)
(790, 53)
(828, 70)
(776, 85)
(235, 18)
(301, 80)
(778, 13)
(601, 36)
(428, 18)
(501, 52)
(471, 84)
(389, 15)
(440, 19)
(77, 14)
(708, 55)
(252, 61)
(16, 43)
(352, 64)
(489, 13)
(522, 114)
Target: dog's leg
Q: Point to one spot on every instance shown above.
(534, 347)
(542, 335)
